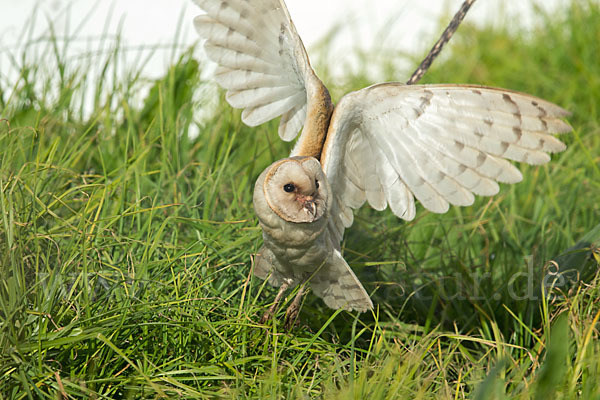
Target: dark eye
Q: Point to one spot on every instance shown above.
(317, 183)
(289, 187)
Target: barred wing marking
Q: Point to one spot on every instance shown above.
(390, 143)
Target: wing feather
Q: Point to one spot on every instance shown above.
(442, 144)
(241, 79)
(262, 112)
(292, 120)
(259, 96)
(262, 63)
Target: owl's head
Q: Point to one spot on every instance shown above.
(296, 189)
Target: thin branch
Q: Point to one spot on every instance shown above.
(445, 38)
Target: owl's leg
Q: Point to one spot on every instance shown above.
(291, 314)
(269, 313)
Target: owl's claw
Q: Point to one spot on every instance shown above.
(271, 311)
(291, 314)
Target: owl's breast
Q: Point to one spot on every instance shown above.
(294, 234)
(298, 252)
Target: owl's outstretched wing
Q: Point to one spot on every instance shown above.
(261, 60)
(390, 143)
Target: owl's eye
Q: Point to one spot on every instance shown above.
(289, 187)
(316, 183)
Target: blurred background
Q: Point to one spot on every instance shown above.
(398, 25)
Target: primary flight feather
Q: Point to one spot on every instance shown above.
(386, 144)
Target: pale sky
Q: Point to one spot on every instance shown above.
(409, 25)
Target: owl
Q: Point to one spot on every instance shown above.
(387, 144)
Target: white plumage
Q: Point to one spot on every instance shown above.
(386, 144)
(262, 62)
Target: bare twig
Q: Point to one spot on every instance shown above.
(437, 48)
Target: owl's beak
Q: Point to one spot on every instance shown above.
(310, 206)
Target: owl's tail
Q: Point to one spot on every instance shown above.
(337, 285)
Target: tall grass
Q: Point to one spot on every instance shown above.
(126, 245)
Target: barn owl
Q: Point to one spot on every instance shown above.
(386, 144)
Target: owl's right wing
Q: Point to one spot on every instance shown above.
(262, 63)
(391, 143)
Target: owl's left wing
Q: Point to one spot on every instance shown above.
(390, 143)
(261, 60)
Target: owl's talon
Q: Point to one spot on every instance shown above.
(291, 318)
(271, 311)
(291, 314)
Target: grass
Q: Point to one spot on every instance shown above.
(126, 243)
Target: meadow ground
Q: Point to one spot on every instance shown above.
(126, 244)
